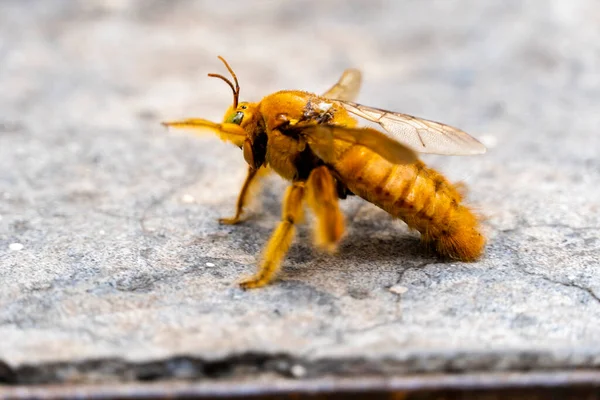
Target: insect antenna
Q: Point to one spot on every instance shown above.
(236, 88)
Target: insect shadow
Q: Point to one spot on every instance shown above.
(368, 248)
(357, 250)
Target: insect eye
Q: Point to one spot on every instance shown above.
(236, 118)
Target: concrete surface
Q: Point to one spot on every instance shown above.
(109, 243)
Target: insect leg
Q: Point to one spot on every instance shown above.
(281, 239)
(243, 196)
(228, 132)
(322, 197)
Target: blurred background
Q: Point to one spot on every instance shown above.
(518, 75)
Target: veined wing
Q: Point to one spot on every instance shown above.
(321, 139)
(421, 135)
(347, 87)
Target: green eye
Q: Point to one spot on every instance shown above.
(236, 118)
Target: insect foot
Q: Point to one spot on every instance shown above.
(230, 221)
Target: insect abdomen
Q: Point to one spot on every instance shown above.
(418, 195)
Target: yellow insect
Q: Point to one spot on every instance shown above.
(314, 142)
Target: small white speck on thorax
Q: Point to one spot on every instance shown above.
(324, 107)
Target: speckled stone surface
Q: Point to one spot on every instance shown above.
(109, 241)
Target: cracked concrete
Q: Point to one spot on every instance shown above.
(124, 268)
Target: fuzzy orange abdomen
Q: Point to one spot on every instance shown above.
(418, 195)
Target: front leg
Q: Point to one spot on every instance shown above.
(281, 239)
(243, 196)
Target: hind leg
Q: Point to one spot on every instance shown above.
(322, 196)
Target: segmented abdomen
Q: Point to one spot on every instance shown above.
(418, 195)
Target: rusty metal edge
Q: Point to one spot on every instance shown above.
(280, 386)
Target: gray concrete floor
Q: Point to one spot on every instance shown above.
(109, 241)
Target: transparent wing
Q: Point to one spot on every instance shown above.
(228, 132)
(347, 87)
(421, 135)
(322, 138)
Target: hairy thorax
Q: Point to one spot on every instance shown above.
(287, 153)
